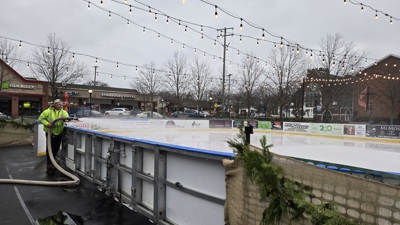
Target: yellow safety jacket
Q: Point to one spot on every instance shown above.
(51, 114)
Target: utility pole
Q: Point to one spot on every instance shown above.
(95, 73)
(224, 34)
(302, 101)
(229, 94)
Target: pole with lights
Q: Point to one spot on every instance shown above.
(90, 101)
(210, 98)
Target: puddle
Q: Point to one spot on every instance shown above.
(61, 218)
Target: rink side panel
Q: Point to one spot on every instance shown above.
(169, 184)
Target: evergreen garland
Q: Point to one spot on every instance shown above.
(285, 197)
(16, 125)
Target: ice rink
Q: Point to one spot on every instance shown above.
(363, 153)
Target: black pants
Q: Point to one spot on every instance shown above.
(55, 146)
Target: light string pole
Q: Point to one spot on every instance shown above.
(90, 102)
(210, 98)
(224, 34)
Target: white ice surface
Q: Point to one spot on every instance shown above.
(369, 154)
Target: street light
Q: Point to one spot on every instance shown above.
(162, 106)
(90, 101)
(210, 98)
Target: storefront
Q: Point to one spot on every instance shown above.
(20, 96)
(101, 98)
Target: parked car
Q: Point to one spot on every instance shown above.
(192, 113)
(134, 112)
(176, 113)
(4, 116)
(204, 114)
(147, 114)
(88, 113)
(117, 112)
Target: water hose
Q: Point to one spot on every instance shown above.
(75, 180)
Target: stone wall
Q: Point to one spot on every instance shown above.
(367, 201)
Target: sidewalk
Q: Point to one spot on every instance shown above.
(26, 204)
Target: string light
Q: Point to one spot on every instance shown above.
(101, 2)
(127, 22)
(241, 24)
(130, 9)
(88, 5)
(263, 35)
(20, 44)
(48, 50)
(216, 13)
(117, 65)
(109, 14)
(167, 19)
(391, 21)
(155, 17)
(281, 42)
(362, 8)
(345, 1)
(376, 14)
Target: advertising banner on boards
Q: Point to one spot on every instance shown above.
(383, 131)
(264, 125)
(354, 130)
(296, 127)
(220, 124)
(326, 128)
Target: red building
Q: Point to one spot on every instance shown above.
(377, 89)
(20, 96)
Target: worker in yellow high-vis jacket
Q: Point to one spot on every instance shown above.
(55, 111)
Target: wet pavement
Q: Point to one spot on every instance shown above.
(33, 204)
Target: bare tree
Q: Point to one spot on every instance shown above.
(177, 79)
(287, 69)
(249, 81)
(148, 84)
(9, 55)
(96, 83)
(336, 59)
(56, 64)
(201, 73)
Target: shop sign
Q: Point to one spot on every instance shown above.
(383, 131)
(23, 86)
(116, 95)
(70, 93)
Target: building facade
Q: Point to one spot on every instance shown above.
(20, 96)
(377, 89)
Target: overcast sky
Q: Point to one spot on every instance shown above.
(92, 32)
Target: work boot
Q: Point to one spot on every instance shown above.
(51, 169)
